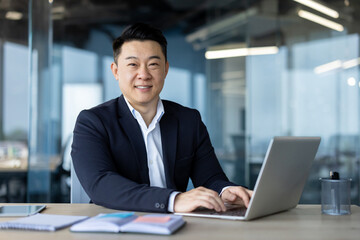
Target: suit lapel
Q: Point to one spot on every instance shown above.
(133, 132)
(169, 132)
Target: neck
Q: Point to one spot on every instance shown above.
(147, 111)
(148, 115)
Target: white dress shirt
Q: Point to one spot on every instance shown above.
(152, 139)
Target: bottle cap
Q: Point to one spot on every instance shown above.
(334, 175)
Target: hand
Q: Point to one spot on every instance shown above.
(237, 195)
(198, 197)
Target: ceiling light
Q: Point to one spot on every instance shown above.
(12, 15)
(238, 52)
(319, 7)
(337, 64)
(351, 63)
(320, 20)
(328, 67)
(351, 81)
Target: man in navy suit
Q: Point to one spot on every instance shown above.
(137, 152)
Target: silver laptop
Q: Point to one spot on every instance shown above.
(280, 182)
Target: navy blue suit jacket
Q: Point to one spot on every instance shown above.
(110, 160)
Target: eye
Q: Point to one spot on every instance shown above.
(132, 64)
(154, 64)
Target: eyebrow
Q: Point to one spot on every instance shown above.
(156, 57)
(151, 57)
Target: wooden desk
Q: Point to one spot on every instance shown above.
(303, 222)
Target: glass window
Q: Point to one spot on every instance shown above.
(14, 102)
(308, 87)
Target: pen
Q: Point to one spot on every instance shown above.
(335, 197)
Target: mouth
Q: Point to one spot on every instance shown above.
(143, 87)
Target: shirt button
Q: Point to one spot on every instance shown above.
(151, 162)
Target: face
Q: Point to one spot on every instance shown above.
(140, 71)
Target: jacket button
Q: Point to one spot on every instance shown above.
(157, 205)
(162, 206)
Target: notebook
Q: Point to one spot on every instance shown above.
(280, 182)
(163, 224)
(42, 222)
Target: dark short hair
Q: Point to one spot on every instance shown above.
(140, 32)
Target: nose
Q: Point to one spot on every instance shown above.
(144, 73)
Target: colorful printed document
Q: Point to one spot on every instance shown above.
(164, 224)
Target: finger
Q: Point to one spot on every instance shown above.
(189, 201)
(198, 197)
(212, 198)
(242, 194)
(209, 204)
(249, 192)
(228, 197)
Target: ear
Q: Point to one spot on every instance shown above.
(114, 70)
(166, 68)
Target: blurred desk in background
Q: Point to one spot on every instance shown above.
(13, 176)
(13, 180)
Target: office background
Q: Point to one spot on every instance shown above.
(55, 58)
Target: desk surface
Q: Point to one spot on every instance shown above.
(303, 222)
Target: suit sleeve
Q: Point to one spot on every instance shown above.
(97, 173)
(207, 171)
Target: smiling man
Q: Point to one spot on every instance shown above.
(137, 152)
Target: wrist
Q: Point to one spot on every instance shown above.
(171, 203)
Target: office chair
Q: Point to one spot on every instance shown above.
(77, 193)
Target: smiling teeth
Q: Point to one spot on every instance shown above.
(143, 87)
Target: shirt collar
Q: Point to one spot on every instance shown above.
(159, 110)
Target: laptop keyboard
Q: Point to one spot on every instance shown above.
(232, 210)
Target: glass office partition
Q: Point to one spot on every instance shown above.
(227, 114)
(300, 101)
(13, 101)
(45, 93)
(308, 86)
